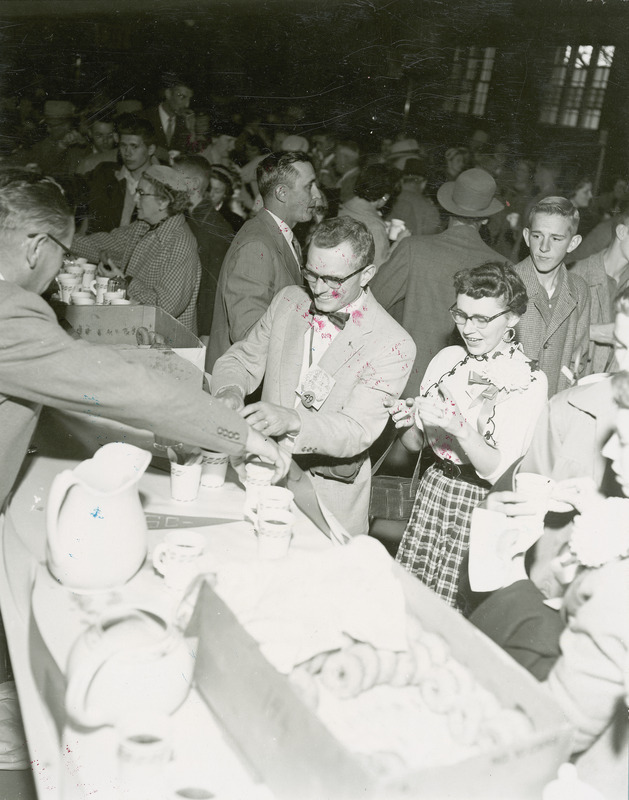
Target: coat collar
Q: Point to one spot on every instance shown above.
(595, 399)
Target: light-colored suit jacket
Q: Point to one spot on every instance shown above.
(258, 264)
(41, 365)
(603, 290)
(565, 340)
(370, 359)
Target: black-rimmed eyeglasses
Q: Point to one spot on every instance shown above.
(67, 253)
(330, 280)
(478, 320)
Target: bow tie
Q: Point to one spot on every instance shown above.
(338, 318)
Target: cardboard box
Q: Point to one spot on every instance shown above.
(118, 326)
(297, 756)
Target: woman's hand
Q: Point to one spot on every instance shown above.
(402, 411)
(107, 267)
(581, 493)
(442, 413)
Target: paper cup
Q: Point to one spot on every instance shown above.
(214, 468)
(99, 287)
(89, 274)
(274, 497)
(536, 488)
(395, 229)
(185, 480)
(275, 529)
(74, 269)
(144, 751)
(67, 285)
(258, 475)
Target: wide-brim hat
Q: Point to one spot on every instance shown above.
(58, 109)
(405, 147)
(169, 177)
(470, 195)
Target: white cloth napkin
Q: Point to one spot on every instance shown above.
(309, 603)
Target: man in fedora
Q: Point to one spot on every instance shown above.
(415, 284)
(62, 148)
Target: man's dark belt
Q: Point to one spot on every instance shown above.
(464, 472)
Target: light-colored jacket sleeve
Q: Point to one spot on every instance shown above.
(588, 680)
(40, 363)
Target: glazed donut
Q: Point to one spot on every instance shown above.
(505, 728)
(343, 674)
(440, 689)
(368, 656)
(465, 719)
(404, 669)
(387, 663)
(305, 686)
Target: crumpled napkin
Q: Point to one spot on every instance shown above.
(309, 603)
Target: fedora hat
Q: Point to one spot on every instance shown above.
(405, 147)
(470, 195)
(58, 109)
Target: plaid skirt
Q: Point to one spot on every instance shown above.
(437, 534)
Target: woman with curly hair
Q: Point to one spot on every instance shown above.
(477, 408)
(156, 255)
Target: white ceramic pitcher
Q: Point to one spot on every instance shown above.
(130, 661)
(97, 534)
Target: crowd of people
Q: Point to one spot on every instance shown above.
(328, 283)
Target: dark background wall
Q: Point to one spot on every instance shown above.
(365, 68)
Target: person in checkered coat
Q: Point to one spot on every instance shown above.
(477, 409)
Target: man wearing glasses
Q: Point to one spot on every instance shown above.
(329, 355)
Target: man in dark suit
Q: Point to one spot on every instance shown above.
(415, 284)
(264, 256)
(169, 117)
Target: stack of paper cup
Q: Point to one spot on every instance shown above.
(258, 475)
(99, 287)
(185, 480)
(67, 284)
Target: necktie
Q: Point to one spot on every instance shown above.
(338, 318)
(297, 249)
(170, 129)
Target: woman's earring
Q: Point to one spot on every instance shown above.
(510, 332)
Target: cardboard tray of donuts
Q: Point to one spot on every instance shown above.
(452, 717)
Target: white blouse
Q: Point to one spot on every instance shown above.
(503, 415)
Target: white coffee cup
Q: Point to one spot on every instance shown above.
(67, 284)
(99, 287)
(117, 294)
(177, 557)
(185, 480)
(214, 468)
(275, 529)
(82, 298)
(395, 228)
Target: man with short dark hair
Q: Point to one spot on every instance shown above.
(169, 117)
(111, 187)
(329, 355)
(103, 137)
(415, 284)
(264, 256)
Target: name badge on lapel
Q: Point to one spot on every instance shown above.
(315, 388)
